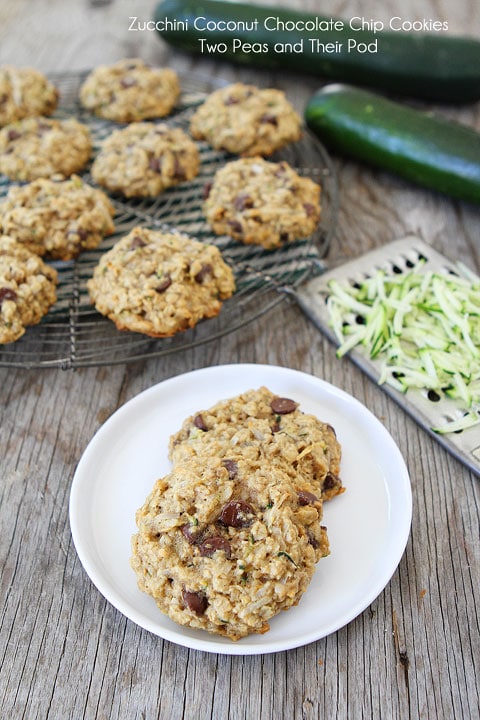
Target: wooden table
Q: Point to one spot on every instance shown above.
(67, 653)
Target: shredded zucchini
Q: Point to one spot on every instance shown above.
(424, 326)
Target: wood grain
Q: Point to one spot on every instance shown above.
(65, 653)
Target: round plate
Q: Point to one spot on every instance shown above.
(368, 525)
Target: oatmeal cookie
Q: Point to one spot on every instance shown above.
(59, 219)
(262, 203)
(129, 91)
(225, 548)
(144, 159)
(25, 92)
(43, 147)
(159, 283)
(266, 429)
(27, 289)
(245, 120)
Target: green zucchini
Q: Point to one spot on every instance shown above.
(431, 66)
(427, 149)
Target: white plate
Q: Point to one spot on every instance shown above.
(368, 525)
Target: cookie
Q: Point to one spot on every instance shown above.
(27, 289)
(43, 147)
(59, 219)
(266, 429)
(159, 283)
(144, 159)
(129, 91)
(245, 120)
(25, 92)
(225, 550)
(259, 202)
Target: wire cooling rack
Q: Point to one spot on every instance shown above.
(74, 334)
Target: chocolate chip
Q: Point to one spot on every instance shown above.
(197, 602)
(205, 271)
(199, 423)
(82, 234)
(306, 498)
(210, 546)
(13, 135)
(269, 118)
(192, 533)
(235, 226)
(206, 190)
(155, 164)
(309, 209)
(313, 540)
(330, 481)
(230, 100)
(7, 294)
(231, 466)
(243, 201)
(283, 406)
(237, 514)
(137, 242)
(164, 283)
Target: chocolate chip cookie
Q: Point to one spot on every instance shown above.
(265, 428)
(225, 547)
(58, 219)
(263, 203)
(129, 91)
(27, 289)
(160, 283)
(25, 92)
(44, 147)
(144, 159)
(245, 120)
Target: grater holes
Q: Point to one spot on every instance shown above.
(452, 417)
(406, 261)
(450, 271)
(403, 262)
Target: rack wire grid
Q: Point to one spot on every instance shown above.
(73, 334)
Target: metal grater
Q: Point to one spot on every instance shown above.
(395, 256)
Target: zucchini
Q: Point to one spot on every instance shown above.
(434, 66)
(427, 149)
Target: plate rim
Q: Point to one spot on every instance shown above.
(111, 594)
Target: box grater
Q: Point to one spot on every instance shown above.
(397, 256)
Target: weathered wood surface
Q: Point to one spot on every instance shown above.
(64, 651)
